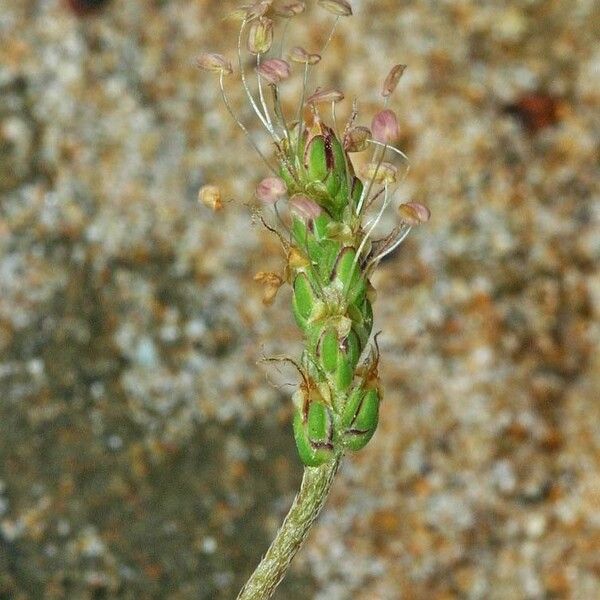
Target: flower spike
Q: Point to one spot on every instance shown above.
(325, 215)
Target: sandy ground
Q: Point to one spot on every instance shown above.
(145, 452)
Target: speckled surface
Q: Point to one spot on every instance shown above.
(143, 451)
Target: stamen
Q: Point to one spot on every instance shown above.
(261, 95)
(337, 135)
(279, 113)
(242, 126)
(283, 33)
(300, 118)
(374, 261)
(393, 149)
(245, 83)
(386, 202)
(367, 235)
(330, 36)
(367, 189)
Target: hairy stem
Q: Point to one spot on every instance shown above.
(307, 505)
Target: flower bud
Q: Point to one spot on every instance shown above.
(357, 139)
(290, 9)
(413, 213)
(300, 55)
(215, 63)
(270, 190)
(392, 79)
(210, 195)
(274, 70)
(304, 207)
(297, 260)
(340, 8)
(385, 127)
(321, 96)
(383, 174)
(260, 36)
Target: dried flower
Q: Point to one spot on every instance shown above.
(270, 190)
(274, 70)
(321, 96)
(384, 173)
(385, 127)
(340, 8)
(297, 259)
(413, 213)
(300, 55)
(304, 207)
(392, 79)
(272, 283)
(260, 36)
(289, 9)
(210, 195)
(215, 63)
(357, 138)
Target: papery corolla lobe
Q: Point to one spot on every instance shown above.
(260, 35)
(383, 173)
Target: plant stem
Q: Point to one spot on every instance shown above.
(307, 505)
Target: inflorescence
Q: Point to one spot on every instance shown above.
(325, 216)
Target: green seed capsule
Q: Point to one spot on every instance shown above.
(368, 414)
(303, 302)
(351, 348)
(317, 160)
(347, 359)
(319, 424)
(329, 350)
(351, 407)
(313, 437)
(364, 424)
(344, 374)
(307, 455)
(348, 273)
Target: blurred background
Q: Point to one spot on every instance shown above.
(144, 450)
